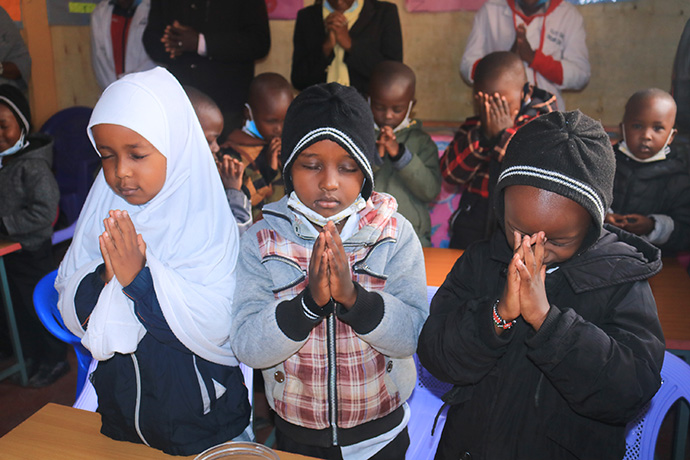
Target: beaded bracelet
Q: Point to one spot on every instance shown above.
(500, 322)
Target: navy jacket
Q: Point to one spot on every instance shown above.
(566, 391)
(177, 413)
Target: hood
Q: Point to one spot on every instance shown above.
(40, 148)
(373, 219)
(617, 257)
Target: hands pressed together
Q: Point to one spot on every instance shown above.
(386, 143)
(525, 293)
(633, 223)
(337, 33)
(178, 38)
(494, 113)
(329, 270)
(122, 248)
(521, 46)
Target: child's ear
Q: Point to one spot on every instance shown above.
(674, 131)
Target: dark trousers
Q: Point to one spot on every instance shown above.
(394, 450)
(24, 269)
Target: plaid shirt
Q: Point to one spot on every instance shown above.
(467, 158)
(362, 394)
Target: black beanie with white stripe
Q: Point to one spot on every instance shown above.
(567, 153)
(334, 112)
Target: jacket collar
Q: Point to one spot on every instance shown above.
(372, 220)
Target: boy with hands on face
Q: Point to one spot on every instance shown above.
(503, 102)
(551, 323)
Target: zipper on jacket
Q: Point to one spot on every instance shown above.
(332, 391)
(137, 403)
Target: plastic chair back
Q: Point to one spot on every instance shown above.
(425, 403)
(45, 303)
(75, 161)
(642, 432)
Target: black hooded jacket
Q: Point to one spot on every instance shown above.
(660, 187)
(566, 391)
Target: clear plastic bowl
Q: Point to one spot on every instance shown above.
(238, 451)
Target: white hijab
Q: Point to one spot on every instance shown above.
(191, 236)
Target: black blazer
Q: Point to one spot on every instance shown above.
(376, 36)
(236, 34)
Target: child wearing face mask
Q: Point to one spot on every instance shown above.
(651, 194)
(549, 330)
(257, 144)
(28, 207)
(338, 290)
(148, 280)
(407, 163)
(503, 103)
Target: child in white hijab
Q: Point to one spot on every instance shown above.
(148, 280)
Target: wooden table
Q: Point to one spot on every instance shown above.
(65, 433)
(7, 247)
(438, 262)
(671, 288)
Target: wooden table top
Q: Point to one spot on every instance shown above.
(671, 288)
(65, 433)
(7, 247)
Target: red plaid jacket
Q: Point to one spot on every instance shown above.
(467, 158)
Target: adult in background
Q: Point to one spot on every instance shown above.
(680, 85)
(116, 46)
(343, 40)
(15, 61)
(212, 46)
(548, 35)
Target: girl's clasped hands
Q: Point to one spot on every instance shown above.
(329, 270)
(122, 248)
(525, 293)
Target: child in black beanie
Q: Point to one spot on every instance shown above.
(548, 330)
(338, 290)
(28, 207)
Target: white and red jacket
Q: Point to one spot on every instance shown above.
(557, 36)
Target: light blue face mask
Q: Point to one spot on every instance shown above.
(15, 148)
(330, 8)
(250, 126)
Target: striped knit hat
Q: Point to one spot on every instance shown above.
(335, 112)
(567, 153)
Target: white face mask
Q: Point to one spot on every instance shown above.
(403, 124)
(658, 156)
(315, 218)
(15, 148)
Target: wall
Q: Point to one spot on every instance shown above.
(631, 44)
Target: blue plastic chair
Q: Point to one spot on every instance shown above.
(45, 303)
(642, 432)
(75, 161)
(425, 403)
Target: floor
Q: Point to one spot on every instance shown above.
(18, 403)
